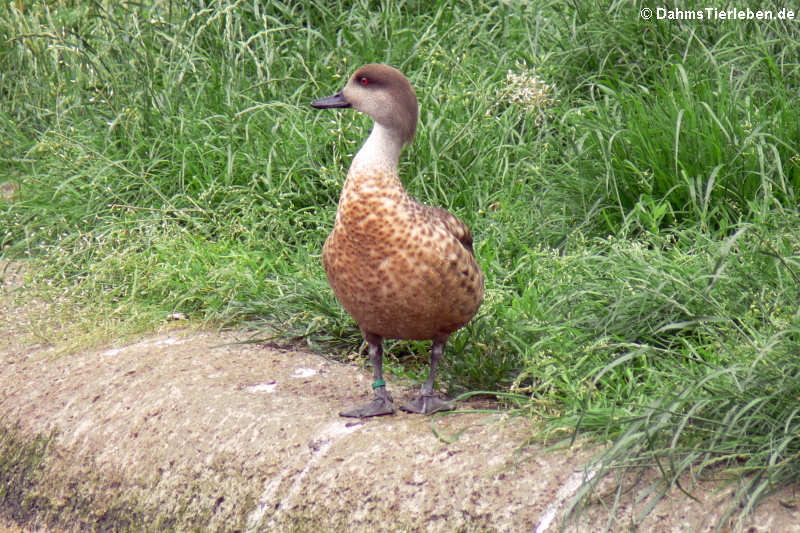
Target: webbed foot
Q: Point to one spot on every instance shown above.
(426, 404)
(379, 406)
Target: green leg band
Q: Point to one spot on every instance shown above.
(378, 383)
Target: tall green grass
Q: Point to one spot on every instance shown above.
(632, 186)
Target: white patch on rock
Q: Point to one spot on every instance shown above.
(318, 447)
(262, 387)
(567, 490)
(303, 372)
(169, 341)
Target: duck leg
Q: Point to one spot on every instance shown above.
(426, 402)
(382, 404)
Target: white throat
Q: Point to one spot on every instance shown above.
(381, 149)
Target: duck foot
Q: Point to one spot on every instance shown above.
(379, 406)
(426, 404)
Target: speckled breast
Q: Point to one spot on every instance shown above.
(397, 268)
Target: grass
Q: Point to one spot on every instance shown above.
(632, 186)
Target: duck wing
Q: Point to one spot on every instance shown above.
(453, 224)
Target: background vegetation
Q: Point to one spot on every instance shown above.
(632, 184)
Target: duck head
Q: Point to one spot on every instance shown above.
(383, 93)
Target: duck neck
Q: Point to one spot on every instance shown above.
(381, 150)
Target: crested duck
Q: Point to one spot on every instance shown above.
(402, 269)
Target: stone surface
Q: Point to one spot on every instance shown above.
(197, 429)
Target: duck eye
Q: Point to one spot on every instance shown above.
(363, 80)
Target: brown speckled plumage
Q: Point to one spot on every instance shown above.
(404, 270)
